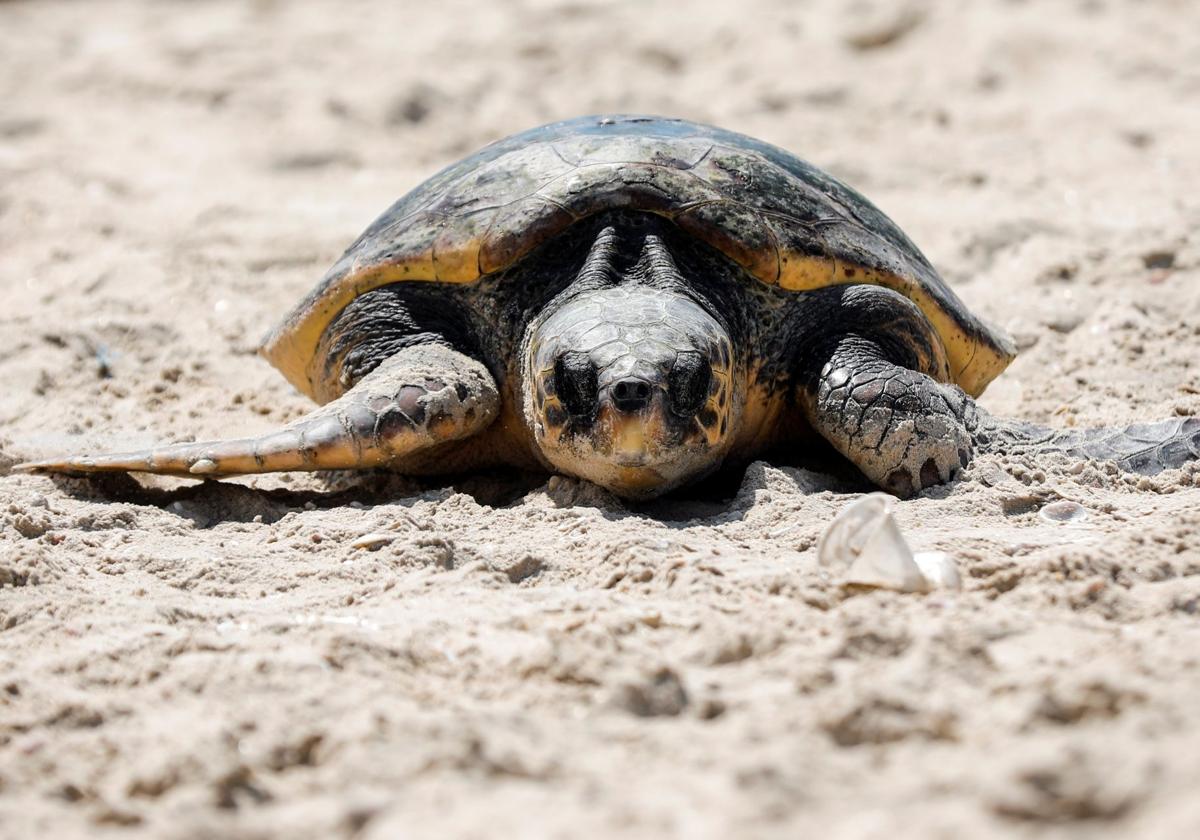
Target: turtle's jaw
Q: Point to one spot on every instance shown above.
(635, 456)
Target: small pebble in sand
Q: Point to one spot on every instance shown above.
(371, 542)
(1063, 511)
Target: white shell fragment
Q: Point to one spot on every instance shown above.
(1063, 511)
(865, 540)
(939, 569)
(203, 467)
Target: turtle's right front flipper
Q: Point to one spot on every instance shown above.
(421, 396)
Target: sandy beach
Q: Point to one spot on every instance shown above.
(503, 654)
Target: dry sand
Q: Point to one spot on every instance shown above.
(523, 657)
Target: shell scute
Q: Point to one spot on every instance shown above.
(738, 231)
(514, 225)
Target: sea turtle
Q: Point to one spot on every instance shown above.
(635, 301)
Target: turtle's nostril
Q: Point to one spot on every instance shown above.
(631, 394)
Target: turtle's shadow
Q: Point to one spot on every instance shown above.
(725, 496)
(722, 497)
(211, 503)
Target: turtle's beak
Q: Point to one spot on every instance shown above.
(629, 442)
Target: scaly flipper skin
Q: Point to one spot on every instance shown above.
(901, 428)
(419, 397)
(907, 432)
(1143, 448)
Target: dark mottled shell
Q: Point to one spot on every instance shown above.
(786, 222)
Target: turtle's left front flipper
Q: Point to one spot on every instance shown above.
(876, 384)
(904, 430)
(422, 396)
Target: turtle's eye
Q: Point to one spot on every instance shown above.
(687, 383)
(576, 383)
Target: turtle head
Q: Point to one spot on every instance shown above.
(632, 388)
